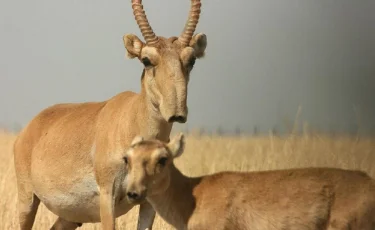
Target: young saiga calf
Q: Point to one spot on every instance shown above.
(294, 199)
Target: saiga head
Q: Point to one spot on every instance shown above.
(167, 61)
(148, 166)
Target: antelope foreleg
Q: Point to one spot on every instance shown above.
(146, 216)
(107, 216)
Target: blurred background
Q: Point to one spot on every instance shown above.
(268, 64)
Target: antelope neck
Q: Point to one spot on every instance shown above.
(148, 117)
(177, 203)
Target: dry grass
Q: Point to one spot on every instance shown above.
(212, 154)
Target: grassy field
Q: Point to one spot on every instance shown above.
(210, 154)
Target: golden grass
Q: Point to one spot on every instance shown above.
(211, 154)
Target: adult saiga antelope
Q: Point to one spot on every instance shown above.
(293, 199)
(70, 155)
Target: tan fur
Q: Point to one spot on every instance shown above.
(70, 155)
(293, 199)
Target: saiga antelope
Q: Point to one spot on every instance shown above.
(293, 199)
(70, 155)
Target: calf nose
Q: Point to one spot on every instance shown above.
(133, 195)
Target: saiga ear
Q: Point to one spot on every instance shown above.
(137, 139)
(177, 145)
(199, 44)
(133, 45)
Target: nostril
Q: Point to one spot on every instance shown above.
(172, 119)
(179, 119)
(132, 195)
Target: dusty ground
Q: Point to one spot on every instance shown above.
(212, 154)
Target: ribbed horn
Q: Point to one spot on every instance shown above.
(144, 25)
(191, 23)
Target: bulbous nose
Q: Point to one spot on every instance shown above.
(179, 119)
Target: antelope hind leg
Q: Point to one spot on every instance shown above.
(28, 204)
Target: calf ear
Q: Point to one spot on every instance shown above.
(199, 44)
(177, 145)
(137, 139)
(133, 45)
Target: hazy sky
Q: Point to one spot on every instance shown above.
(263, 59)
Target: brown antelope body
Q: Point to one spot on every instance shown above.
(70, 155)
(293, 199)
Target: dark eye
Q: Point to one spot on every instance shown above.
(146, 62)
(162, 161)
(126, 160)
